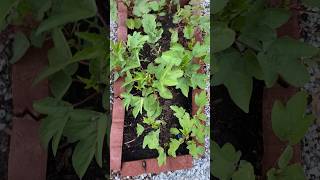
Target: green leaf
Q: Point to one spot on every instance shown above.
(188, 32)
(245, 172)
(85, 54)
(68, 11)
(174, 36)
(137, 103)
(136, 40)
(139, 129)
(309, 3)
(285, 157)
(275, 17)
(102, 127)
(219, 5)
(155, 6)
(113, 10)
(59, 84)
(183, 84)
(223, 38)
(173, 147)
(199, 80)
(224, 160)
(37, 40)
(279, 59)
(83, 154)
(149, 23)
(162, 156)
(51, 105)
(174, 131)
(293, 172)
(151, 140)
(140, 8)
(184, 119)
(51, 128)
(61, 44)
(290, 123)
(201, 99)
(200, 50)
(19, 47)
(233, 74)
(130, 23)
(152, 106)
(5, 8)
(195, 150)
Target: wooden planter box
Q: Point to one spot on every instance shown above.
(27, 158)
(134, 168)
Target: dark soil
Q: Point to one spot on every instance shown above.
(231, 125)
(132, 145)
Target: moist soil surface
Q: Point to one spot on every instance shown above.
(132, 145)
(243, 130)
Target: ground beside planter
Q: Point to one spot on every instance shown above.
(5, 101)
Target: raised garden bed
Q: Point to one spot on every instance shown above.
(127, 152)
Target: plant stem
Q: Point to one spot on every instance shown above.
(86, 99)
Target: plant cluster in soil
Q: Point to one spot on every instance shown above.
(132, 145)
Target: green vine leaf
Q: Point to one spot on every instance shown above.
(68, 11)
(275, 17)
(219, 6)
(234, 76)
(224, 160)
(285, 157)
(195, 150)
(82, 155)
(139, 129)
(173, 147)
(183, 85)
(223, 37)
(151, 140)
(5, 8)
(201, 99)
(311, 3)
(245, 172)
(162, 156)
(188, 32)
(279, 59)
(290, 122)
(19, 47)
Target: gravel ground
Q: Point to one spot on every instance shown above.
(201, 166)
(310, 23)
(5, 103)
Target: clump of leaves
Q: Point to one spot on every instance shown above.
(258, 51)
